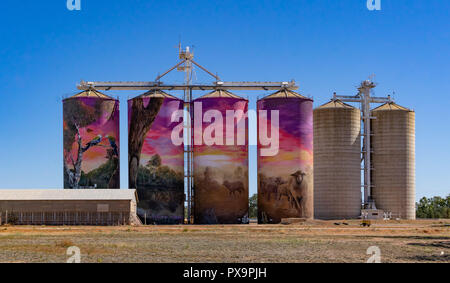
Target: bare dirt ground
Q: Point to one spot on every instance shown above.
(313, 241)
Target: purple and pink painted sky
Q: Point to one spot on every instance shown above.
(222, 156)
(296, 137)
(107, 124)
(158, 139)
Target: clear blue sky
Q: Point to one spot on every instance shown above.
(326, 46)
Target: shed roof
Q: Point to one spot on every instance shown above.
(68, 194)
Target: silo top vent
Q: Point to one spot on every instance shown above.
(221, 93)
(336, 103)
(391, 106)
(91, 93)
(156, 93)
(285, 93)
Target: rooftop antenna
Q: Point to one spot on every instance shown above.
(187, 56)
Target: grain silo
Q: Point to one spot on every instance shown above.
(285, 157)
(156, 156)
(393, 160)
(91, 141)
(337, 161)
(220, 159)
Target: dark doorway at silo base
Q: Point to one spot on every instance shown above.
(264, 218)
(208, 220)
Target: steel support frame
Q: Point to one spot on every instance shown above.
(364, 99)
(186, 65)
(263, 86)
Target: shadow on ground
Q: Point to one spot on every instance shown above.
(445, 245)
(408, 237)
(429, 258)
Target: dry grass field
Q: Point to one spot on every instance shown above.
(315, 241)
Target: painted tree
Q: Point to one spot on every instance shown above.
(76, 116)
(155, 161)
(142, 118)
(113, 157)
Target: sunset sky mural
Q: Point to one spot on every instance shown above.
(285, 180)
(159, 174)
(158, 139)
(221, 171)
(95, 118)
(95, 156)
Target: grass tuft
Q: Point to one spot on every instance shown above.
(64, 244)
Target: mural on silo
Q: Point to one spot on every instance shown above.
(221, 163)
(285, 177)
(91, 141)
(155, 161)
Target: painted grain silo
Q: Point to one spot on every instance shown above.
(337, 161)
(91, 141)
(156, 156)
(285, 157)
(393, 160)
(220, 159)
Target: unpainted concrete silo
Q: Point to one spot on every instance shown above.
(156, 156)
(220, 159)
(337, 161)
(285, 157)
(91, 141)
(393, 160)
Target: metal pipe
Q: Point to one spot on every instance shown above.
(204, 69)
(170, 70)
(191, 164)
(106, 86)
(367, 145)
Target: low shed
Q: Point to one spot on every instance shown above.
(68, 207)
